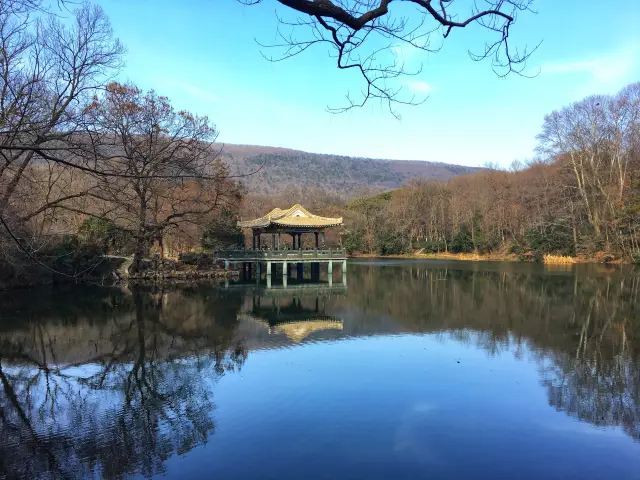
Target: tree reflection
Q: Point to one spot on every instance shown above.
(144, 394)
(582, 326)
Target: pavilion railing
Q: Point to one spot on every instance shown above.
(247, 254)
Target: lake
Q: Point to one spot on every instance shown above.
(412, 370)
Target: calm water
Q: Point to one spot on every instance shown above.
(414, 370)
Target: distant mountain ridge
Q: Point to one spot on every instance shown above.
(278, 168)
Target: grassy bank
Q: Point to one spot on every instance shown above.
(472, 257)
(498, 257)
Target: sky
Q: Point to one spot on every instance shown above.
(205, 56)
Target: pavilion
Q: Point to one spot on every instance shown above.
(295, 222)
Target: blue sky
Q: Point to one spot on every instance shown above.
(203, 55)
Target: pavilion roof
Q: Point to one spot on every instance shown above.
(296, 216)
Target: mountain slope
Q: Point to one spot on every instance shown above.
(278, 168)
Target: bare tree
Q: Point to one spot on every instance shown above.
(163, 171)
(49, 71)
(597, 137)
(365, 35)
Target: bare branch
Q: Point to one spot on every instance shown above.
(354, 26)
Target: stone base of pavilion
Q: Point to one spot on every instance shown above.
(279, 267)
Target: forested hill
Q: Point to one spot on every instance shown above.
(279, 168)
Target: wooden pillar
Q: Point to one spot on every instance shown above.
(254, 240)
(278, 240)
(273, 241)
(259, 240)
(300, 241)
(293, 241)
(317, 243)
(324, 239)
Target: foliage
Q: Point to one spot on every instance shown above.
(553, 238)
(353, 241)
(462, 241)
(389, 242)
(222, 232)
(105, 234)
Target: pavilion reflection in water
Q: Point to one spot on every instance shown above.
(295, 312)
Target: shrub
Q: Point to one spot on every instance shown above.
(105, 235)
(389, 242)
(435, 246)
(353, 241)
(554, 238)
(462, 241)
(72, 257)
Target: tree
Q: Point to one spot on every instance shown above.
(49, 71)
(164, 173)
(596, 138)
(365, 35)
(367, 216)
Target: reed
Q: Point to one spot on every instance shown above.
(558, 259)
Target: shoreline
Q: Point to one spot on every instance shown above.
(471, 257)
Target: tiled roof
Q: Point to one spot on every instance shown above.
(296, 216)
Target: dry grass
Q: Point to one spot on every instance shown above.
(473, 257)
(557, 259)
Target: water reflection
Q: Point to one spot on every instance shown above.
(296, 314)
(115, 388)
(584, 325)
(114, 382)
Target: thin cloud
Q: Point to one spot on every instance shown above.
(402, 51)
(200, 93)
(418, 86)
(193, 91)
(610, 70)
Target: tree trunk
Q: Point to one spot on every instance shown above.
(12, 185)
(138, 253)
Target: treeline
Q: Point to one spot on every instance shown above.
(90, 166)
(581, 197)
